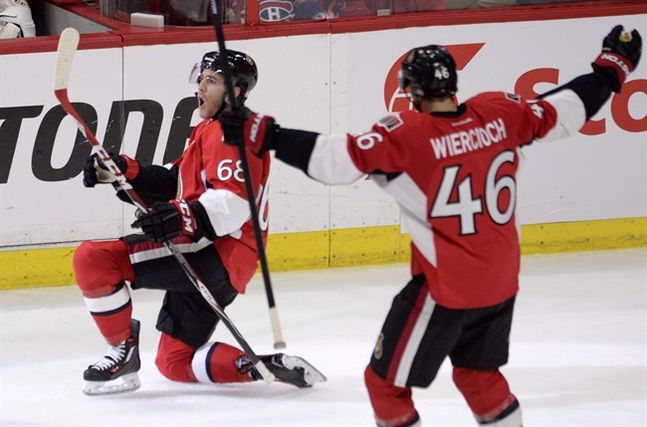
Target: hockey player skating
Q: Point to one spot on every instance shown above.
(200, 204)
(452, 170)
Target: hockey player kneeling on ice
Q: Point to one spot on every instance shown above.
(451, 167)
(16, 20)
(198, 202)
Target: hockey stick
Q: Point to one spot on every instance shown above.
(67, 46)
(279, 342)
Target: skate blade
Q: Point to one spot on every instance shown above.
(124, 384)
(310, 374)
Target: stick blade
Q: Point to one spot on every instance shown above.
(67, 44)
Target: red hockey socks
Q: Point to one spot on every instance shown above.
(100, 269)
(212, 363)
(174, 359)
(218, 363)
(488, 395)
(392, 405)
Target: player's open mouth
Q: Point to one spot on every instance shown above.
(200, 101)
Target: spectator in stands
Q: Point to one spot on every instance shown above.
(345, 8)
(308, 9)
(234, 11)
(16, 20)
(198, 12)
(189, 12)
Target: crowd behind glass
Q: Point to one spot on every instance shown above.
(196, 12)
(16, 16)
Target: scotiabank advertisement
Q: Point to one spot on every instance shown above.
(139, 102)
(598, 174)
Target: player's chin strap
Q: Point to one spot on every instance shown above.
(225, 106)
(240, 101)
(222, 108)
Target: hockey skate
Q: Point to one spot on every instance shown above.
(291, 370)
(117, 371)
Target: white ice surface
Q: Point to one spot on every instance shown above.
(578, 352)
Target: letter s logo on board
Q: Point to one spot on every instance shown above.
(625, 107)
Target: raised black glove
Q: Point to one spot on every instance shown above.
(95, 172)
(167, 220)
(232, 123)
(620, 55)
(258, 132)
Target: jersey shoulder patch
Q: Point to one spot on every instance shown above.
(391, 122)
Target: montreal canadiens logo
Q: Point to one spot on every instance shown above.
(396, 100)
(275, 10)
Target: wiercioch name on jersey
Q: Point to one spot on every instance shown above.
(472, 139)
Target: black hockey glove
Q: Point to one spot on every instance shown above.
(620, 56)
(258, 132)
(95, 172)
(167, 220)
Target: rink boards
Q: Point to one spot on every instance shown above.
(589, 192)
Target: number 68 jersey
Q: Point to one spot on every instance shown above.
(210, 172)
(454, 178)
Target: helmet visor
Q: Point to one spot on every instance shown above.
(194, 76)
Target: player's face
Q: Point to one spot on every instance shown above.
(211, 93)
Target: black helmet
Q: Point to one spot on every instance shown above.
(430, 71)
(242, 67)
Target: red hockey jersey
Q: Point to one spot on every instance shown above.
(454, 178)
(210, 172)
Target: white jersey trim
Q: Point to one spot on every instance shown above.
(571, 115)
(227, 211)
(199, 363)
(413, 343)
(422, 236)
(413, 204)
(108, 303)
(330, 161)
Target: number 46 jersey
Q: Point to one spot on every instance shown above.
(454, 178)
